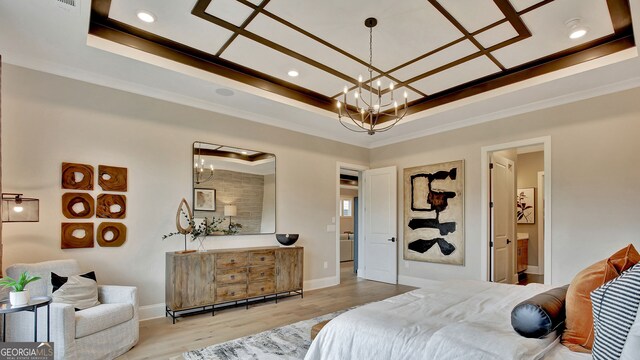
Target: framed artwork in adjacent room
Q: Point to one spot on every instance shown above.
(526, 206)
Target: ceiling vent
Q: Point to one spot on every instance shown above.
(71, 6)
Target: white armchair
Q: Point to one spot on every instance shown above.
(100, 332)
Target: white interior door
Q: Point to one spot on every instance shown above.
(380, 225)
(503, 219)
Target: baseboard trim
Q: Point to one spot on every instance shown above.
(321, 283)
(535, 270)
(149, 312)
(154, 311)
(414, 281)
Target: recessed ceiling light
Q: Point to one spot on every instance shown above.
(244, 152)
(576, 29)
(146, 16)
(293, 73)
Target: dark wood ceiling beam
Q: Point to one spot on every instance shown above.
(199, 10)
(153, 44)
(292, 26)
(244, 25)
(466, 33)
(232, 155)
(620, 15)
(586, 52)
(533, 7)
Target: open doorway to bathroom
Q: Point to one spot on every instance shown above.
(515, 208)
(348, 223)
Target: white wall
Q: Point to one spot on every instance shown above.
(595, 154)
(48, 119)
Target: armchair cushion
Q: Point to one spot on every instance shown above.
(101, 317)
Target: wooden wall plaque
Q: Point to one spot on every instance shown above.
(105, 201)
(71, 199)
(112, 178)
(69, 171)
(68, 241)
(118, 230)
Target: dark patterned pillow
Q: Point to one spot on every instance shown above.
(615, 305)
(81, 291)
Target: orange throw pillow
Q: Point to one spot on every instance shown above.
(578, 334)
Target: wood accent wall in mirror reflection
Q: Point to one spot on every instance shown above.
(243, 178)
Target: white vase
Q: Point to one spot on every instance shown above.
(19, 298)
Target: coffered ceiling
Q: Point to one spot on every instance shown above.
(462, 62)
(437, 51)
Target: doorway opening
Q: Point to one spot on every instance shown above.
(516, 212)
(348, 223)
(348, 220)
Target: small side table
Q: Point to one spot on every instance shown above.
(33, 305)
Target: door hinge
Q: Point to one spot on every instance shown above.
(490, 166)
(491, 204)
(491, 243)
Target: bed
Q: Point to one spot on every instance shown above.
(443, 320)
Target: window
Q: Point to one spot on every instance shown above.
(345, 208)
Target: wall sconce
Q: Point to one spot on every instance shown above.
(230, 210)
(16, 208)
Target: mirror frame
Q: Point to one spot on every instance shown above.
(275, 179)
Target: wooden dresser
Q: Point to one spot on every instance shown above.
(205, 279)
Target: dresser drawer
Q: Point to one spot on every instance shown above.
(231, 293)
(231, 276)
(231, 260)
(262, 273)
(261, 288)
(262, 257)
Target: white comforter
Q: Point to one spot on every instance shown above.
(444, 320)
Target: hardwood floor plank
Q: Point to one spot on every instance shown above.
(159, 339)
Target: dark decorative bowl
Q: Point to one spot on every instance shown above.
(287, 239)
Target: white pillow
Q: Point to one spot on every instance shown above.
(631, 348)
(81, 291)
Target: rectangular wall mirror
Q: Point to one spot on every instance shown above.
(236, 187)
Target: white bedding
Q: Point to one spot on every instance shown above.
(444, 320)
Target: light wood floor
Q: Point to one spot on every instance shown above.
(159, 339)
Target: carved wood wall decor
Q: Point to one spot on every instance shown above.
(69, 171)
(118, 230)
(68, 241)
(69, 200)
(106, 201)
(112, 178)
(184, 208)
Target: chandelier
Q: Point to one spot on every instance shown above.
(365, 114)
(201, 173)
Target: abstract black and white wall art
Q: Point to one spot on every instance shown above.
(434, 213)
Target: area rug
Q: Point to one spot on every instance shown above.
(289, 342)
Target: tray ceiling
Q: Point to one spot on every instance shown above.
(438, 51)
